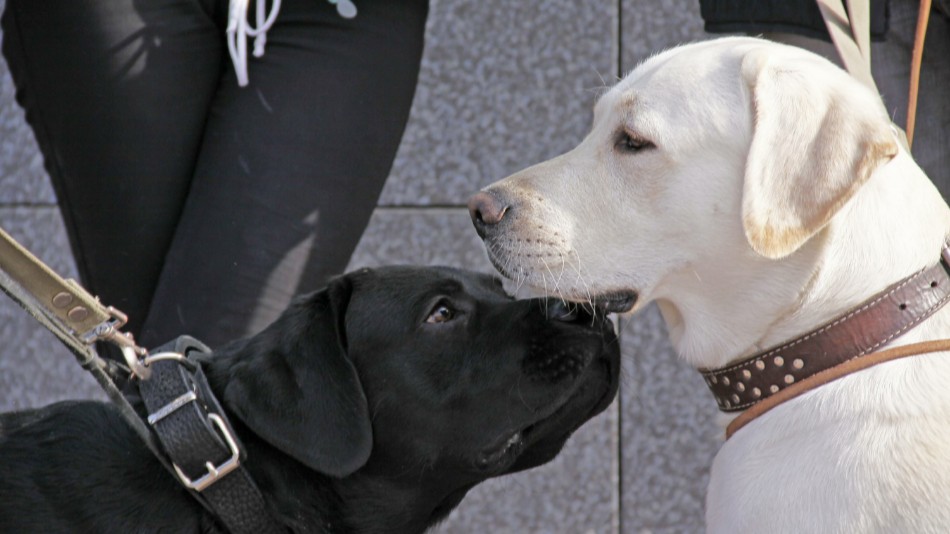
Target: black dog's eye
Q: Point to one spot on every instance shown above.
(441, 314)
(630, 143)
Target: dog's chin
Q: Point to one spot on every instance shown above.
(539, 442)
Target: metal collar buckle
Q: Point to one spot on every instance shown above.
(215, 472)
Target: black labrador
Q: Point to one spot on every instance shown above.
(373, 405)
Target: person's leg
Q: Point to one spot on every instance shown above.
(116, 92)
(291, 168)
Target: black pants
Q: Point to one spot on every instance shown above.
(193, 205)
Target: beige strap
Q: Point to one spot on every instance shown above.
(62, 305)
(852, 37)
(831, 374)
(63, 298)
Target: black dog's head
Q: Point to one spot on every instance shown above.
(407, 386)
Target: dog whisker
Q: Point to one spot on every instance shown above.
(580, 277)
(508, 259)
(554, 281)
(517, 386)
(375, 411)
(523, 276)
(563, 267)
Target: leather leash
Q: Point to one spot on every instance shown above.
(842, 346)
(193, 439)
(923, 17)
(74, 316)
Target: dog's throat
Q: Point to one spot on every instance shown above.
(858, 332)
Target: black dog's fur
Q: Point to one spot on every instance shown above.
(361, 411)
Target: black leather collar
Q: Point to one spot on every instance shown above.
(198, 439)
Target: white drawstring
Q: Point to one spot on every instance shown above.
(239, 29)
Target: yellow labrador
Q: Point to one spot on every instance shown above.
(755, 191)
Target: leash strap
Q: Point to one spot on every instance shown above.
(87, 358)
(205, 452)
(832, 374)
(63, 299)
(74, 316)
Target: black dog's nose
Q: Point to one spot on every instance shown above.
(487, 210)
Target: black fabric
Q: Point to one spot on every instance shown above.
(788, 16)
(158, 158)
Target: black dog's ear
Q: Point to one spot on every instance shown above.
(294, 385)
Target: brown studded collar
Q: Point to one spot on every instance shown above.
(857, 333)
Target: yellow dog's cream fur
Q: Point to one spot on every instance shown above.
(771, 196)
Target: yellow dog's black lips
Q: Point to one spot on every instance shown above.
(619, 301)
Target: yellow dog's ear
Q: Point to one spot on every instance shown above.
(818, 135)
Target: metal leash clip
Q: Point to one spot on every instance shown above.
(135, 356)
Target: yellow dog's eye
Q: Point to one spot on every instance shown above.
(631, 143)
(440, 314)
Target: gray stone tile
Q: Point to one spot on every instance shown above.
(651, 26)
(503, 85)
(35, 369)
(22, 177)
(578, 491)
(421, 237)
(668, 433)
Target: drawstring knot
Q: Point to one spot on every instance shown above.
(239, 29)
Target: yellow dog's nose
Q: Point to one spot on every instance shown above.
(486, 210)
